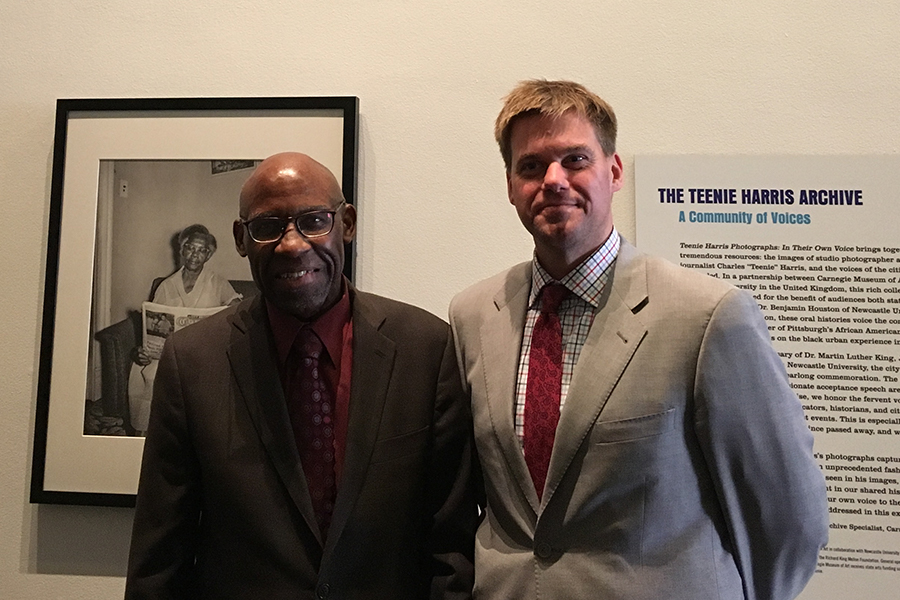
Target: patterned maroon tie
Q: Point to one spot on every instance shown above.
(542, 392)
(312, 418)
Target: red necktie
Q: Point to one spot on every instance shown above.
(542, 392)
(312, 418)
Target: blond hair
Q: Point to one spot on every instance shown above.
(554, 98)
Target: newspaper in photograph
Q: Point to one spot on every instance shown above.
(160, 320)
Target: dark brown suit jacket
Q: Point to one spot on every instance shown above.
(223, 509)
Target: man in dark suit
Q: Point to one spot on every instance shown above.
(312, 442)
(637, 432)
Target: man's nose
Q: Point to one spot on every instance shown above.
(292, 241)
(555, 178)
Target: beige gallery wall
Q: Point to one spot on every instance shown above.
(704, 77)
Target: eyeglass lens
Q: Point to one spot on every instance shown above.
(311, 224)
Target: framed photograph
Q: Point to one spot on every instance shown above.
(144, 190)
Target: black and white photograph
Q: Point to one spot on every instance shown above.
(167, 226)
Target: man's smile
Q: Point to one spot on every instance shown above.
(295, 274)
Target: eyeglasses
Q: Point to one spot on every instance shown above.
(312, 224)
(195, 249)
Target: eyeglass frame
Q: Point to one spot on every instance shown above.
(294, 219)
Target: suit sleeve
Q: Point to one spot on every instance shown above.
(755, 439)
(167, 514)
(466, 390)
(450, 490)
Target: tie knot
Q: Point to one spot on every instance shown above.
(308, 343)
(552, 296)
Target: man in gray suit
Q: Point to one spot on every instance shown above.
(637, 433)
(313, 442)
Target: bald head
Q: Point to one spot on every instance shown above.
(289, 172)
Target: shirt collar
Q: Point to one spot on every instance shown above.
(585, 281)
(329, 327)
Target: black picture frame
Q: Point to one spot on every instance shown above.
(69, 467)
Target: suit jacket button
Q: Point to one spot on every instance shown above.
(322, 591)
(543, 550)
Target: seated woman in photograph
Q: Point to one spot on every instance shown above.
(191, 286)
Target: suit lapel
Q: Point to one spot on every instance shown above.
(501, 340)
(373, 363)
(615, 335)
(257, 377)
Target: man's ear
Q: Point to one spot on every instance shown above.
(348, 220)
(618, 173)
(237, 228)
(509, 187)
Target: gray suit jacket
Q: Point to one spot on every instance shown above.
(682, 467)
(223, 508)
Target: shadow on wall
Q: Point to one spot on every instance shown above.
(81, 540)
